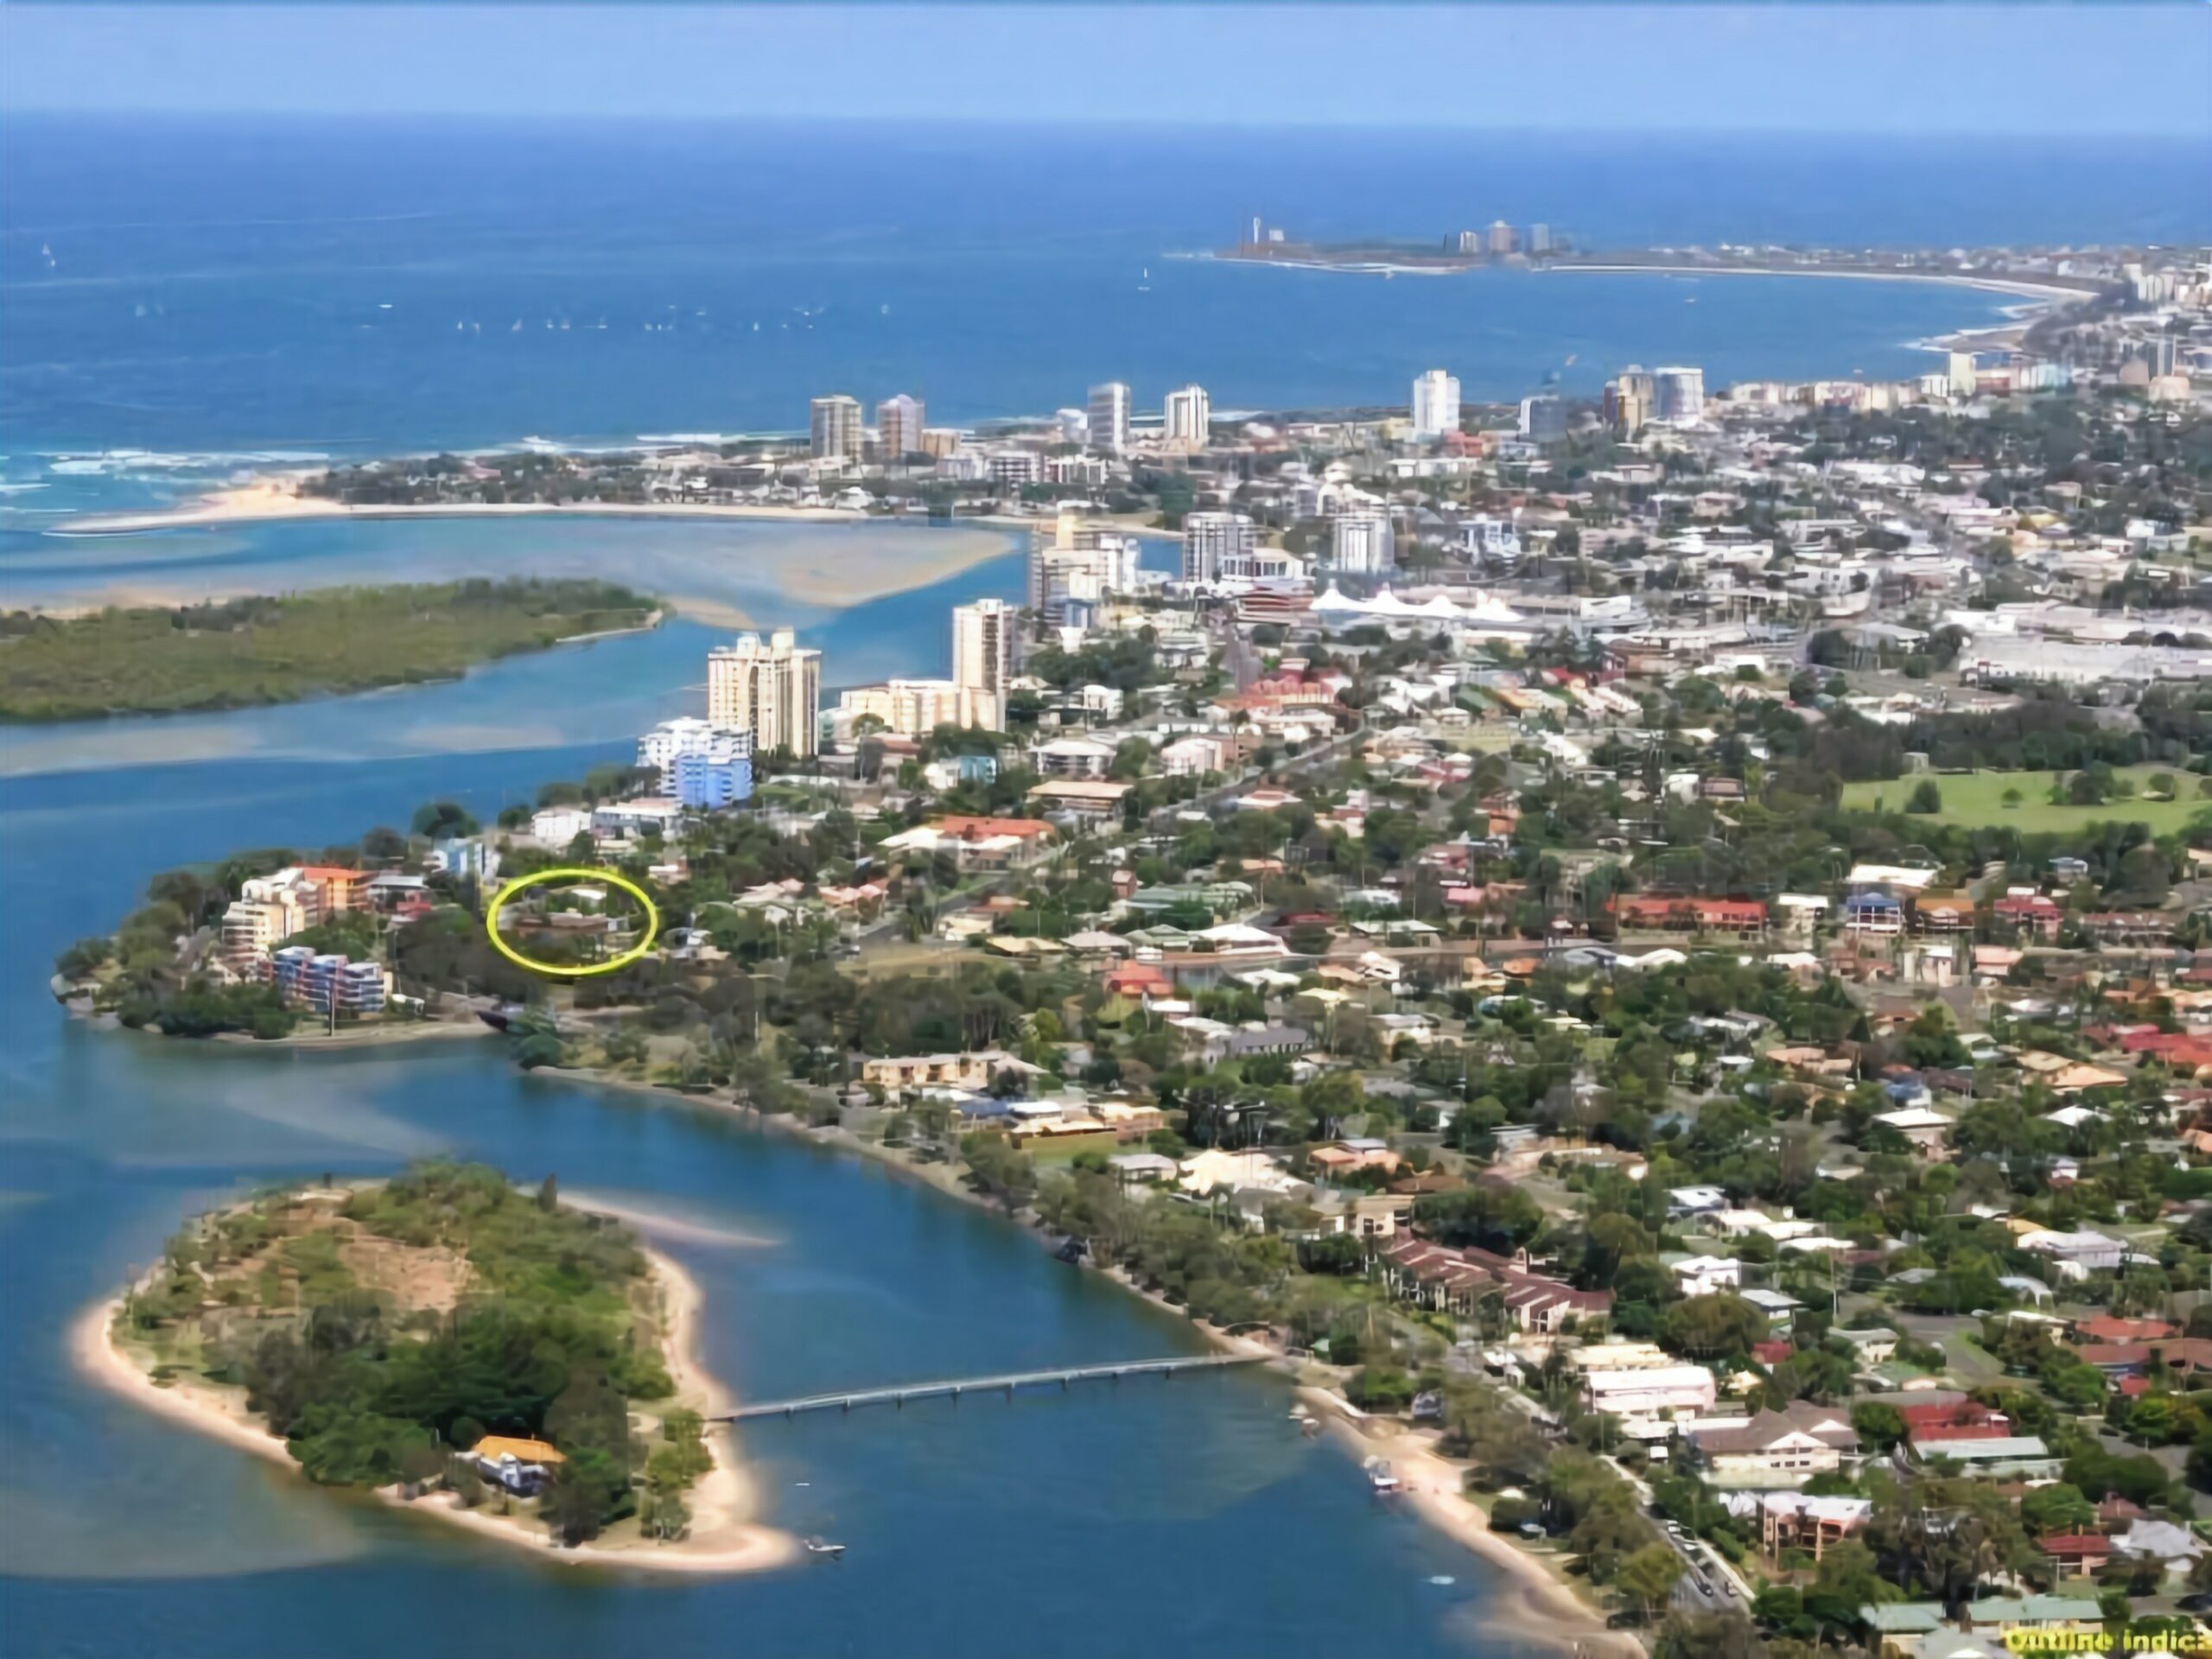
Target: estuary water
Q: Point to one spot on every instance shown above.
(1179, 1517)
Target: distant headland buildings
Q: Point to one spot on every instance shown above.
(1497, 244)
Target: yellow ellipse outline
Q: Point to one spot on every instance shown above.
(564, 970)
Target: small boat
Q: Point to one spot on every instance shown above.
(823, 1546)
(1380, 1480)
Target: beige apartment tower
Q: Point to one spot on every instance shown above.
(772, 690)
(899, 426)
(982, 660)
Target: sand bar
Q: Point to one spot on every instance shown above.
(723, 1535)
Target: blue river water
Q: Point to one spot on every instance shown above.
(1184, 1516)
(183, 299)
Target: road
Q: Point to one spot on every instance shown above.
(1702, 1560)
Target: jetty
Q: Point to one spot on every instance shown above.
(1006, 1382)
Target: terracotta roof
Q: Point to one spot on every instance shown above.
(984, 829)
(522, 1450)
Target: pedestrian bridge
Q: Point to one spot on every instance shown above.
(1006, 1382)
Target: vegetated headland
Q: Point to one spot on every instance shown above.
(469, 1351)
(247, 652)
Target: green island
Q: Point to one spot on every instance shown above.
(450, 1341)
(246, 652)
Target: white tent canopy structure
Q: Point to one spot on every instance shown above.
(1488, 615)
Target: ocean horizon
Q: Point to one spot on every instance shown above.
(192, 296)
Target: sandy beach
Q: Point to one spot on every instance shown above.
(1541, 1608)
(832, 561)
(2053, 291)
(723, 1538)
(271, 497)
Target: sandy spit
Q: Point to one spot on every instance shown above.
(723, 1538)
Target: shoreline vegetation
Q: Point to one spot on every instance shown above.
(255, 651)
(1541, 1604)
(384, 1316)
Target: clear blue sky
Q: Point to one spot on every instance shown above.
(2038, 68)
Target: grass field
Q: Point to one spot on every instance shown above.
(1977, 798)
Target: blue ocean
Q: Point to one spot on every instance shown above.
(190, 287)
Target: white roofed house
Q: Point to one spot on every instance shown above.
(1072, 756)
(2078, 1254)
(1650, 1391)
(1930, 1132)
(1194, 756)
(1875, 1345)
(1694, 1201)
(557, 826)
(1707, 1276)
(1781, 1310)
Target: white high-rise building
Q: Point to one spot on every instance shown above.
(833, 426)
(1189, 416)
(1108, 416)
(772, 690)
(1963, 377)
(1436, 405)
(1678, 396)
(1081, 564)
(1211, 539)
(899, 426)
(982, 661)
(1362, 543)
(667, 742)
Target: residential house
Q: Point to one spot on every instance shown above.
(1775, 1448)
(1873, 913)
(1345, 1156)
(1650, 1391)
(2073, 1257)
(519, 1466)
(2001, 1615)
(1792, 1520)
(1708, 1276)
(898, 1072)
(2073, 1554)
(1870, 1348)
(2035, 915)
(978, 843)
(1456, 1282)
(1994, 1458)
(1080, 799)
(1141, 1168)
(1929, 1131)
